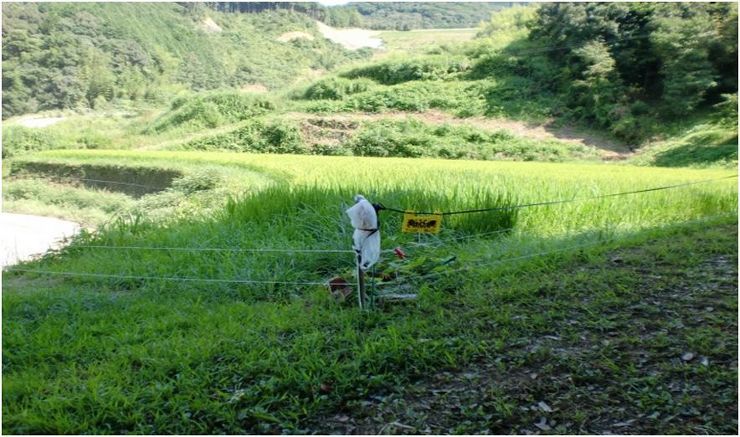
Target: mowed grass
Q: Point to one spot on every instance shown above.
(132, 354)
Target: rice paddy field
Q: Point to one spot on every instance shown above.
(172, 318)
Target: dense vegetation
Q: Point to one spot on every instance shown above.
(86, 55)
(381, 16)
(410, 15)
(191, 356)
(621, 66)
(191, 308)
(633, 70)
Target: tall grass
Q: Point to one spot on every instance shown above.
(129, 354)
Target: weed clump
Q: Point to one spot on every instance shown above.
(336, 88)
(198, 180)
(19, 140)
(411, 138)
(392, 72)
(257, 136)
(210, 110)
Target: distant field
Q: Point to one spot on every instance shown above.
(417, 41)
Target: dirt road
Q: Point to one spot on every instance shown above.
(24, 237)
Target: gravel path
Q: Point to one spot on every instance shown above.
(24, 237)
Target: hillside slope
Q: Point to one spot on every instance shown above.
(71, 55)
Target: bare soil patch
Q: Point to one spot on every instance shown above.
(351, 38)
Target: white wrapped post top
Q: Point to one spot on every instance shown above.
(366, 237)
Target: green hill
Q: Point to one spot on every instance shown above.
(410, 15)
(83, 55)
(380, 16)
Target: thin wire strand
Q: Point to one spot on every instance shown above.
(250, 281)
(212, 249)
(120, 183)
(610, 240)
(554, 202)
(163, 278)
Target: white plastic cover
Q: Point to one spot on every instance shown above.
(364, 219)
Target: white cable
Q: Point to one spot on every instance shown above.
(214, 249)
(164, 278)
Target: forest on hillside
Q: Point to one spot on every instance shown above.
(380, 16)
(86, 55)
(621, 66)
(625, 68)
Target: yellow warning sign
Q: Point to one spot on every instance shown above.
(421, 223)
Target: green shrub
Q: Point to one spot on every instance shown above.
(462, 98)
(280, 137)
(336, 88)
(18, 140)
(434, 67)
(199, 180)
(208, 110)
(256, 136)
(389, 139)
(411, 138)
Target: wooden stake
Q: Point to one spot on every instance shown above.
(360, 283)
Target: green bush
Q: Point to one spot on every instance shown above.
(336, 88)
(199, 180)
(392, 72)
(280, 137)
(208, 110)
(411, 138)
(392, 139)
(256, 136)
(18, 140)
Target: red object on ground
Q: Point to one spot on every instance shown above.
(399, 253)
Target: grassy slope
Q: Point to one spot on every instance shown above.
(118, 357)
(706, 140)
(150, 52)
